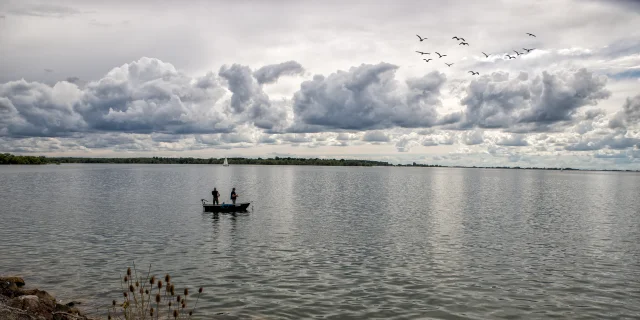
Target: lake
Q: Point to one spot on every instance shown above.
(333, 242)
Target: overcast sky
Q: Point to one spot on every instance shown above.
(325, 79)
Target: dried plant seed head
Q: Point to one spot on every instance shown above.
(125, 294)
(141, 291)
(114, 302)
(175, 313)
(157, 298)
(190, 313)
(178, 299)
(137, 283)
(173, 293)
(182, 301)
(146, 291)
(167, 278)
(126, 279)
(159, 284)
(109, 317)
(200, 290)
(170, 303)
(183, 305)
(151, 312)
(186, 291)
(131, 288)
(152, 280)
(128, 271)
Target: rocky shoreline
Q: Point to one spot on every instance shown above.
(19, 303)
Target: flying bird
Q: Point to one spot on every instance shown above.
(528, 50)
(421, 38)
(472, 72)
(461, 39)
(510, 57)
(531, 35)
(456, 38)
(441, 55)
(427, 60)
(421, 53)
(486, 55)
(518, 53)
(448, 64)
(463, 44)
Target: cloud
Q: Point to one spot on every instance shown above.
(406, 142)
(435, 138)
(35, 109)
(366, 98)
(343, 136)
(473, 137)
(618, 140)
(149, 95)
(271, 73)
(143, 96)
(629, 115)
(44, 10)
(523, 103)
(513, 140)
(376, 136)
(248, 96)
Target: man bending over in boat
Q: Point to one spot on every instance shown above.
(215, 194)
(233, 196)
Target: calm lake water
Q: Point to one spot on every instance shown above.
(333, 242)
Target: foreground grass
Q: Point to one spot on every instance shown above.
(150, 298)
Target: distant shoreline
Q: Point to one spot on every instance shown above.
(9, 159)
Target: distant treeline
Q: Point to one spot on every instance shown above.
(7, 158)
(12, 159)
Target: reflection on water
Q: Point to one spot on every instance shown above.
(333, 242)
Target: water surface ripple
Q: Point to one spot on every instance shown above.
(332, 242)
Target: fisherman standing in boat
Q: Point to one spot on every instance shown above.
(216, 195)
(233, 196)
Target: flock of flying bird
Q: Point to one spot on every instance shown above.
(464, 43)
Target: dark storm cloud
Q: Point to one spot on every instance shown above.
(521, 103)
(271, 73)
(364, 98)
(629, 115)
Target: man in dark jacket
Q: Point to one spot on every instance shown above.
(216, 195)
(233, 195)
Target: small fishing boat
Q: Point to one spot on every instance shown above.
(225, 163)
(224, 208)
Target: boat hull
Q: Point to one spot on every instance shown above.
(224, 208)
